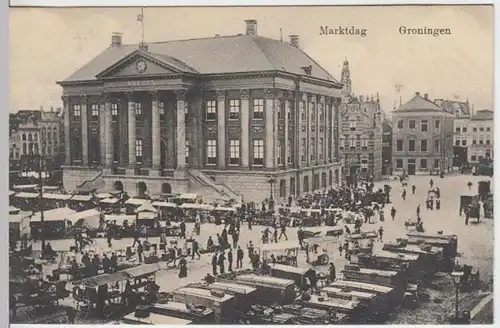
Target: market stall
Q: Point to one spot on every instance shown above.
(53, 225)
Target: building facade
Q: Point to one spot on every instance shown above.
(229, 116)
(35, 132)
(422, 137)
(386, 147)
(361, 132)
(474, 137)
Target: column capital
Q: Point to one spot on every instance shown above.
(154, 94)
(103, 97)
(271, 93)
(181, 94)
(65, 98)
(83, 99)
(244, 94)
(129, 95)
(321, 99)
(221, 95)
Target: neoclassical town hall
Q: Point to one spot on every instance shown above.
(223, 116)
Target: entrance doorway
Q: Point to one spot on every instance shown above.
(166, 188)
(411, 169)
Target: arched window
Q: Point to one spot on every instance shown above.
(30, 137)
(35, 136)
(24, 137)
(49, 133)
(36, 148)
(24, 148)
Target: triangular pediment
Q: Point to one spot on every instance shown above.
(140, 63)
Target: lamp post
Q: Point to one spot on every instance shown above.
(271, 179)
(457, 277)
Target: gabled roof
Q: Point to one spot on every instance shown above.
(483, 115)
(452, 106)
(418, 103)
(215, 55)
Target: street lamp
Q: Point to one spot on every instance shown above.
(457, 278)
(271, 179)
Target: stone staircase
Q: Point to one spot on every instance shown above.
(209, 189)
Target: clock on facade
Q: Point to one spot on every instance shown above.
(141, 66)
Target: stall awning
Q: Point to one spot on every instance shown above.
(142, 270)
(50, 187)
(119, 218)
(109, 200)
(103, 279)
(11, 192)
(15, 218)
(226, 209)
(164, 204)
(136, 201)
(58, 214)
(13, 210)
(27, 195)
(81, 198)
(191, 196)
(83, 215)
(203, 207)
(56, 196)
(290, 244)
(24, 187)
(147, 207)
(103, 195)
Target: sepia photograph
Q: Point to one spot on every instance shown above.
(275, 165)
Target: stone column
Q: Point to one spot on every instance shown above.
(67, 136)
(102, 127)
(245, 128)
(85, 131)
(308, 129)
(336, 125)
(221, 129)
(269, 115)
(196, 130)
(180, 135)
(131, 130)
(108, 119)
(155, 131)
(286, 141)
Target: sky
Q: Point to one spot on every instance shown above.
(49, 44)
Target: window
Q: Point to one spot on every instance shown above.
(138, 151)
(464, 129)
(211, 110)
(436, 145)
(481, 129)
(288, 104)
(457, 142)
(436, 163)
(424, 125)
(458, 129)
(341, 142)
(412, 124)
(289, 152)
(352, 144)
(481, 140)
(114, 111)
(303, 150)
(303, 110)
(161, 110)
(186, 112)
(312, 108)
(437, 124)
(352, 124)
(411, 145)
(77, 111)
(364, 143)
(258, 152)
(399, 163)
(94, 109)
(473, 158)
(464, 141)
(474, 129)
(399, 145)
(488, 129)
(321, 112)
(423, 145)
(474, 140)
(234, 109)
(488, 141)
(234, 152)
(321, 145)
(313, 149)
(400, 125)
(186, 151)
(258, 109)
(138, 109)
(280, 155)
(280, 108)
(212, 151)
(423, 163)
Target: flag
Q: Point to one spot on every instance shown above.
(140, 17)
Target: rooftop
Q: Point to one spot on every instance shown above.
(419, 104)
(483, 115)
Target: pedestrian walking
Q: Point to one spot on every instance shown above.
(220, 262)
(404, 194)
(230, 260)
(283, 232)
(239, 258)
(380, 233)
(413, 188)
(140, 250)
(182, 226)
(214, 264)
(195, 250)
(300, 235)
(275, 235)
(418, 209)
(235, 237)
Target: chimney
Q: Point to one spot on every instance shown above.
(426, 96)
(417, 93)
(143, 47)
(251, 27)
(294, 40)
(116, 39)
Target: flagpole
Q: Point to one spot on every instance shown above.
(142, 24)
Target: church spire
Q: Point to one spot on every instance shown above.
(346, 79)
